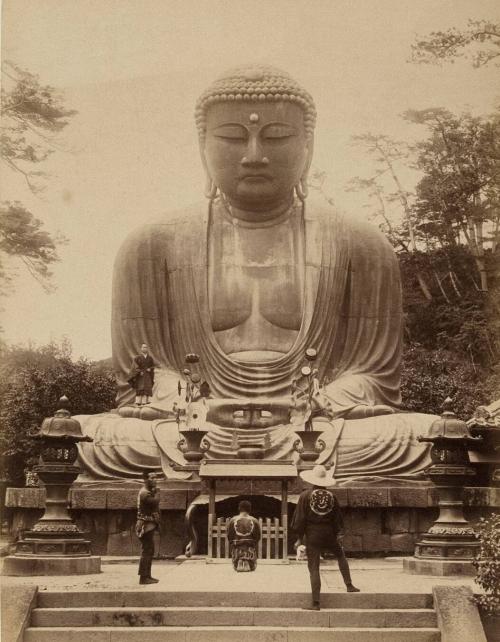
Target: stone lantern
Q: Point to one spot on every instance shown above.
(450, 544)
(55, 545)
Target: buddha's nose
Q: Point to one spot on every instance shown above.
(254, 154)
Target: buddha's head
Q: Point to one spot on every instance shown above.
(256, 127)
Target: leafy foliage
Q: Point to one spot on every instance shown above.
(32, 379)
(452, 343)
(487, 564)
(32, 116)
(456, 318)
(446, 235)
(387, 154)
(429, 376)
(459, 194)
(22, 236)
(480, 43)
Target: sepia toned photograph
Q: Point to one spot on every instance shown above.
(250, 320)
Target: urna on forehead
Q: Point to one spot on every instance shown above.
(256, 84)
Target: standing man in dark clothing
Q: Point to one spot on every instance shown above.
(142, 376)
(148, 521)
(318, 519)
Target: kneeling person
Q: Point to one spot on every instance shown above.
(243, 533)
(318, 519)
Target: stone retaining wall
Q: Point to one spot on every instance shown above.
(378, 520)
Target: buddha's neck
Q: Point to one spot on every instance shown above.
(256, 217)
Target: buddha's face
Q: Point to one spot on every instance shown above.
(256, 152)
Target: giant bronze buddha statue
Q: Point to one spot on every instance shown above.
(249, 280)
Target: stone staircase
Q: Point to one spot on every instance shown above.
(151, 616)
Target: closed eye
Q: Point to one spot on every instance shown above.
(278, 132)
(230, 137)
(231, 132)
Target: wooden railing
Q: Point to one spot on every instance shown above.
(273, 543)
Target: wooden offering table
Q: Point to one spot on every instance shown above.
(274, 540)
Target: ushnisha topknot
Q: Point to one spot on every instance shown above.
(255, 83)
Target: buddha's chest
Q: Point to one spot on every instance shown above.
(256, 276)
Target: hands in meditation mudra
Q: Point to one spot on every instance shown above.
(249, 281)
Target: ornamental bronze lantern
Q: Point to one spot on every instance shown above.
(305, 390)
(55, 545)
(451, 538)
(192, 444)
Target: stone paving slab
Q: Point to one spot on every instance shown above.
(370, 575)
(232, 616)
(163, 598)
(230, 634)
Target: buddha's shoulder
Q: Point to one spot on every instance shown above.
(352, 228)
(169, 225)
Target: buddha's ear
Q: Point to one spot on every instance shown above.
(210, 186)
(302, 188)
(309, 155)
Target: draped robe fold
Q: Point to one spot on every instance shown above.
(352, 311)
(352, 316)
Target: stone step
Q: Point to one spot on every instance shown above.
(232, 616)
(230, 634)
(154, 598)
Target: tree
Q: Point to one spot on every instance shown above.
(395, 232)
(32, 379)
(32, 117)
(459, 194)
(479, 42)
(22, 236)
(457, 319)
(387, 153)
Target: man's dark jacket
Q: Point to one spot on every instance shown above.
(318, 518)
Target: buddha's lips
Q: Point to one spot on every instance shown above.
(256, 177)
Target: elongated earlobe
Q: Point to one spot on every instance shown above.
(301, 189)
(210, 189)
(210, 186)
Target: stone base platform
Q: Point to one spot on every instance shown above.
(379, 520)
(440, 568)
(38, 566)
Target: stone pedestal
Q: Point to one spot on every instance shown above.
(55, 545)
(450, 544)
(38, 565)
(437, 567)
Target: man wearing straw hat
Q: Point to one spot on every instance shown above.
(318, 519)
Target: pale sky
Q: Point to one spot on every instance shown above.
(134, 68)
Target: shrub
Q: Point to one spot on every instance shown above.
(429, 376)
(33, 380)
(487, 564)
